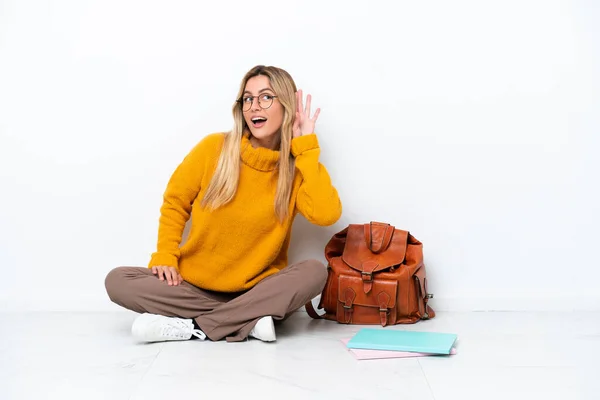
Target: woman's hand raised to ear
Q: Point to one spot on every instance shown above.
(304, 124)
(170, 274)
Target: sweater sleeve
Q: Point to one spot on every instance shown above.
(181, 191)
(318, 200)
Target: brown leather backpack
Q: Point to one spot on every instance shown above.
(376, 275)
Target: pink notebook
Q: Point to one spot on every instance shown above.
(361, 354)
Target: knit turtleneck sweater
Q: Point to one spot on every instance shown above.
(232, 248)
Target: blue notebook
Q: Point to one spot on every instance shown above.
(388, 339)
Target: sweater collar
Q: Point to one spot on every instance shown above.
(259, 158)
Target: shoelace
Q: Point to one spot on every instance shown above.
(179, 329)
(199, 334)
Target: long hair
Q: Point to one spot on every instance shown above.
(224, 182)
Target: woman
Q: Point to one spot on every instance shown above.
(243, 190)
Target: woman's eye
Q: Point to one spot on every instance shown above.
(267, 97)
(247, 99)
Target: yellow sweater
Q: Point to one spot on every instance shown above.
(236, 246)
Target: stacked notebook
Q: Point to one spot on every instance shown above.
(370, 343)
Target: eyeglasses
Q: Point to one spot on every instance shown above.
(264, 101)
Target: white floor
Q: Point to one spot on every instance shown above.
(500, 356)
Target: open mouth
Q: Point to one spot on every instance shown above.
(259, 122)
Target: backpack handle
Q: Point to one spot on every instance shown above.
(374, 233)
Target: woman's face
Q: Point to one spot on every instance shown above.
(262, 111)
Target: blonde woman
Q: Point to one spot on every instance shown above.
(242, 189)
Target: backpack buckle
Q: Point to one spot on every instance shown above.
(367, 276)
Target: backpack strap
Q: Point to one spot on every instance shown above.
(425, 310)
(310, 310)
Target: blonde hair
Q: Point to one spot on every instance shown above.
(224, 182)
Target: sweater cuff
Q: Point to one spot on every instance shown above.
(164, 259)
(304, 143)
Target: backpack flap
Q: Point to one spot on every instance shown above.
(374, 247)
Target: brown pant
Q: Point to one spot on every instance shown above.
(219, 315)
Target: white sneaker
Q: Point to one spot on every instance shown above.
(157, 328)
(264, 330)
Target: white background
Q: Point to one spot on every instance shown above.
(474, 125)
